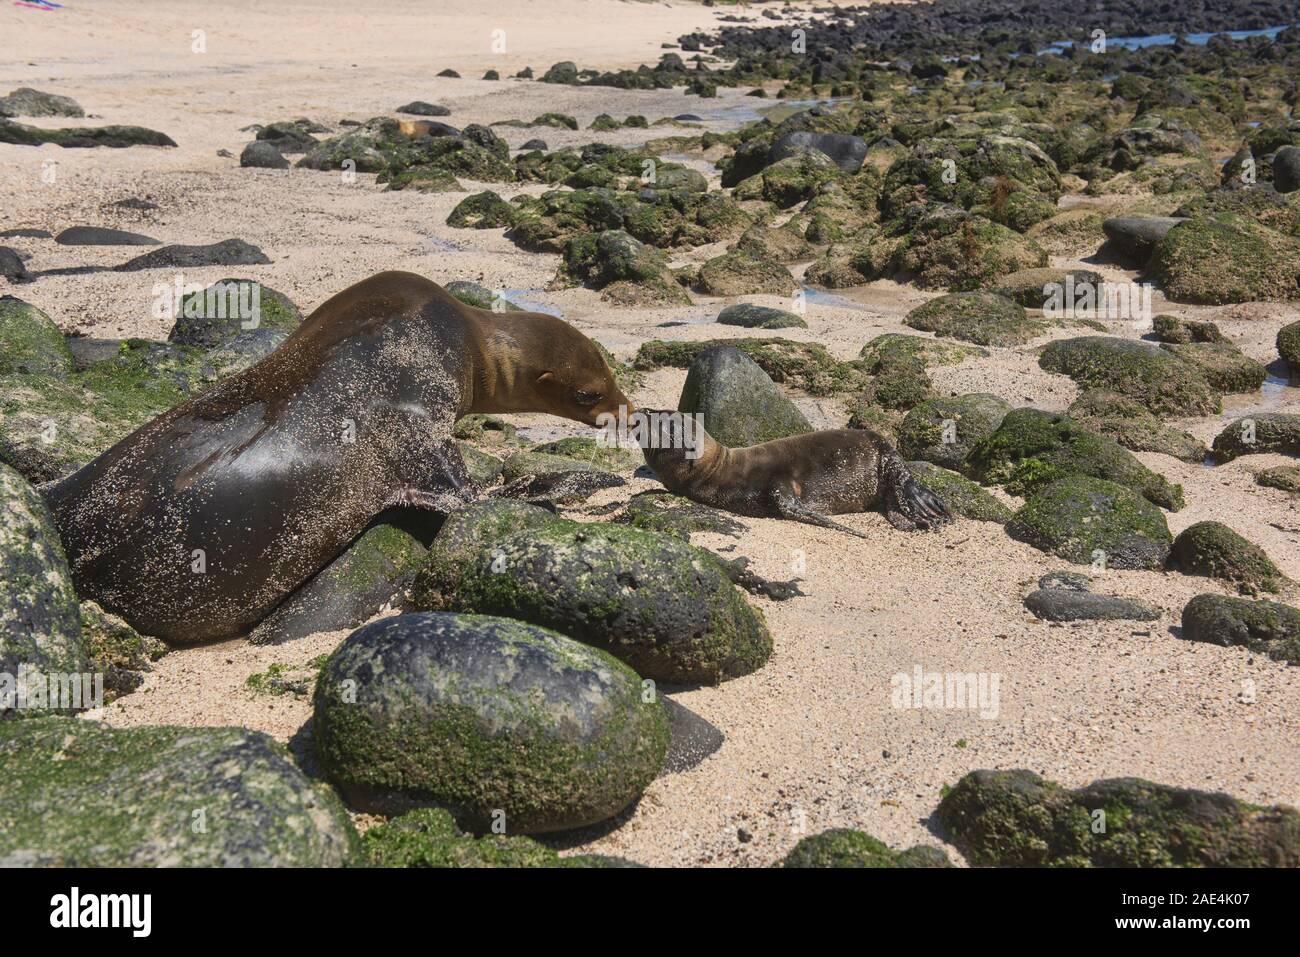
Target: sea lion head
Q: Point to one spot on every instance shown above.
(560, 371)
(676, 447)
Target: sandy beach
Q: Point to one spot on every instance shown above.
(813, 739)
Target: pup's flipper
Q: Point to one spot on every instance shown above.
(908, 504)
(793, 509)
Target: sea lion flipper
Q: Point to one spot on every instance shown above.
(795, 510)
(908, 504)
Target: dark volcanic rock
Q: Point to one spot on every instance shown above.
(228, 252)
(263, 154)
(1137, 237)
(421, 108)
(846, 150)
(99, 236)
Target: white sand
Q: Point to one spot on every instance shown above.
(805, 737)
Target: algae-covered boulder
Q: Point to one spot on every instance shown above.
(943, 430)
(117, 651)
(429, 837)
(1160, 380)
(30, 342)
(1129, 423)
(80, 794)
(1017, 819)
(661, 511)
(1267, 627)
(1090, 521)
(628, 271)
(665, 608)
(25, 101)
(793, 179)
(739, 403)
(465, 534)
(1166, 328)
(1284, 477)
(741, 273)
(1214, 550)
(845, 847)
(984, 318)
(953, 250)
(495, 720)
(1035, 288)
(802, 365)
(1064, 596)
(590, 452)
(218, 314)
(962, 496)
(40, 622)
(352, 587)
(1288, 346)
(485, 210)
(1224, 366)
(1227, 259)
(1256, 434)
(1031, 448)
(760, 317)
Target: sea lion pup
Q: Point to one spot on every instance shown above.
(194, 527)
(803, 477)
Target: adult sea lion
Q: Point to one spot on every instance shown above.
(803, 478)
(198, 524)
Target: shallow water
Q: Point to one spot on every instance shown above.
(1168, 39)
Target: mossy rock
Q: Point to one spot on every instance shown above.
(1224, 366)
(1128, 422)
(355, 585)
(1288, 346)
(1164, 383)
(742, 274)
(584, 449)
(488, 718)
(739, 402)
(216, 315)
(984, 318)
(480, 297)
(1026, 288)
(30, 342)
(40, 622)
(760, 317)
(485, 210)
(1227, 259)
(959, 252)
(1171, 329)
(845, 847)
(533, 462)
(464, 535)
(791, 180)
(77, 793)
(897, 347)
(658, 511)
(1017, 819)
(84, 137)
(429, 837)
(665, 608)
(117, 651)
(1031, 448)
(1214, 550)
(1265, 627)
(802, 365)
(925, 432)
(1284, 477)
(960, 494)
(488, 429)
(1088, 520)
(1256, 434)
(628, 271)
(425, 179)
(483, 469)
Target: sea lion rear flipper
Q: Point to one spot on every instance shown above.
(908, 504)
(793, 509)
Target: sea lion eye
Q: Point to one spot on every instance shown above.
(585, 398)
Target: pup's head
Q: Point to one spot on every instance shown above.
(675, 445)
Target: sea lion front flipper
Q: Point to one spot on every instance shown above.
(793, 509)
(909, 505)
